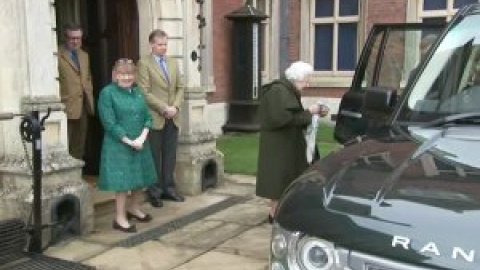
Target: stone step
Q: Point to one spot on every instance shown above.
(103, 201)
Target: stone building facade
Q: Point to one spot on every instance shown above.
(28, 82)
(327, 33)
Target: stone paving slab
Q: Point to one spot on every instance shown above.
(203, 234)
(234, 189)
(258, 200)
(254, 243)
(241, 179)
(246, 214)
(76, 250)
(104, 234)
(223, 261)
(151, 255)
(235, 238)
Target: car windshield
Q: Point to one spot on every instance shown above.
(450, 81)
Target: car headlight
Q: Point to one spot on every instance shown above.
(279, 246)
(297, 251)
(313, 253)
(277, 266)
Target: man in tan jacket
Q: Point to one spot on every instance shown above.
(76, 90)
(159, 78)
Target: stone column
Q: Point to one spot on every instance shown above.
(28, 82)
(199, 163)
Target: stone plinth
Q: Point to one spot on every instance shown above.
(63, 192)
(199, 164)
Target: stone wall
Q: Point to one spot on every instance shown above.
(28, 82)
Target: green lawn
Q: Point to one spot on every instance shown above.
(241, 149)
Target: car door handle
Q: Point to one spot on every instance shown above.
(351, 114)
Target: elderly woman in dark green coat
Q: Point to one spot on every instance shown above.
(283, 120)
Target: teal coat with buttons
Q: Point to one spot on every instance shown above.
(124, 113)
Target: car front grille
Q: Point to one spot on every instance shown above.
(362, 261)
(376, 267)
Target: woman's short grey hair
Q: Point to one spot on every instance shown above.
(298, 71)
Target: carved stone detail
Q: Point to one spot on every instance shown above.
(52, 161)
(41, 103)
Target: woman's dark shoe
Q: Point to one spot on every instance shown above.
(270, 219)
(130, 229)
(146, 218)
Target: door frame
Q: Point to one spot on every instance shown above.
(101, 42)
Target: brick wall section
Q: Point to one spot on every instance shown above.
(330, 92)
(222, 31)
(294, 16)
(222, 51)
(377, 11)
(385, 11)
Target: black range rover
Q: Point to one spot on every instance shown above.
(404, 191)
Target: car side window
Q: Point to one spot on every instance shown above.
(398, 58)
(368, 79)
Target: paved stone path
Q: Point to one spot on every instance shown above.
(223, 228)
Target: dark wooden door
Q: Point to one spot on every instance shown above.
(111, 33)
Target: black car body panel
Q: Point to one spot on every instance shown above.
(431, 196)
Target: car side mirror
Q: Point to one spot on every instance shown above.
(379, 99)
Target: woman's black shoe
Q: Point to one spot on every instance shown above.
(146, 218)
(270, 219)
(130, 229)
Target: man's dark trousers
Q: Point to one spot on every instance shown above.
(164, 150)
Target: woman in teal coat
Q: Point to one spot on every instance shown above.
(282, 149)
(126, 163)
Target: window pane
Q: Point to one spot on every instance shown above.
(434, 4)
(392, 70)
(347, 46)
(462, 3)
(368, 75)
(324, 8)
(348, 7)
(433, 20)
(323, 47)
